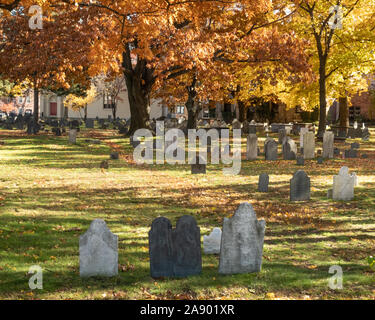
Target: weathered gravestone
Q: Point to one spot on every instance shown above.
(98, 251)
(175, 252)
(211, 243)
(309, 145)
(186, 239)
(89, 123)
(263, 182)
(343, 185)
(160, 247)
(242, 242)
(270, 150)
(73, 136)
(351, 153)
(199, 167)
(252, 147)
(302, 132)
(289, 149)
(328, 140)
(282, 135)
(236, 124)
(300, 186)
(300, 161)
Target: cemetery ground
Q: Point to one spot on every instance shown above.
(50, 192)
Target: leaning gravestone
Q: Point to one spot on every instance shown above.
(263, 182)
(289, 149)
(211, 243)
(98, 251)
(300, 186)
(242, 242)
(160, 247)
(73, 136)
(343, 185)
(309, 145)
(328, 140)
(252, 147)
(175, 252)
(270, 150)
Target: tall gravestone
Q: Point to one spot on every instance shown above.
(252, 147)
(271, 150)
(301, 134)
(263, 182)
(282, 135)
(343, 185)
(309, 145)
(300, 186)
(289, 149)
(242, 242)
(160, 247)
(212, 242)
(328, 140)
(175, 252)
(73, 136)
(98, 251)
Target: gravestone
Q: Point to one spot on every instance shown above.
(271, 150)
(104, 164)
(175, 252)
(289, 149)
(300, 186)
(301, 134)
(263, 182)
(98, 251)
(236, 124)
(73, 136)
(355, 145)
(114, 155)
(252, 147)
(186, 239)
(364, 156)
(320, 160)
(282, 135)
(160, 248)
(300, 161)
(212, 242)
(309, 145)
(351, 153)
(328, 147)
(329, 193)
(343, 185)
(89, 123)
(199, 167)
(336, 152)
(242, 242)
(365, 134)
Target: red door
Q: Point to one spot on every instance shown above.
(53, 108)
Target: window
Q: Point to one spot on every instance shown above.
(180, 109)
(107, 101)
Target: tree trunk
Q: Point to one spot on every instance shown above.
(344, 112)
(139, 81)
(243, 111)
(322, 100)
(190, 106)
(36, 104)
(114, 111)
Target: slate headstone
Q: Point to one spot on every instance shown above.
(300, 161)
(271, 150)
(300, 186)
(263, 182)
(351, 153)
(114, 155)
(199, 167)
(242, 242)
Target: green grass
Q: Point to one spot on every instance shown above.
(50, 191)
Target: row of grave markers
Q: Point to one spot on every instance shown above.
(177, 252)
(343, 185)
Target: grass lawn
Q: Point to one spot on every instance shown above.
(50, 192)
